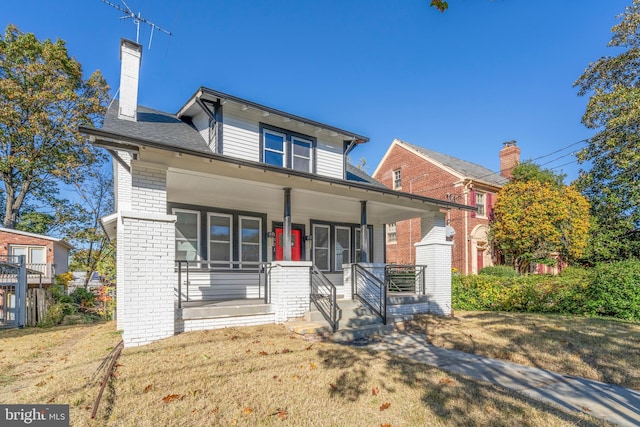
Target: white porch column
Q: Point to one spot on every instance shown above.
(290, 288)
(434, 251)
(145, 259)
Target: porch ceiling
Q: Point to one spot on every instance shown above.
(309, 198)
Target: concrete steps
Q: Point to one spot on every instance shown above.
(356, 322)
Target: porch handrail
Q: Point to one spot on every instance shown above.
(406, 278)
(184, 268)
(324, 297)
(370, 290)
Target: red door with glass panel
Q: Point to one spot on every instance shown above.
(296, 245)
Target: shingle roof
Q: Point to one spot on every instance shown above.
(157, 126)
(468, 169)
(355, 174)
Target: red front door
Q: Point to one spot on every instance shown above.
(296, 245)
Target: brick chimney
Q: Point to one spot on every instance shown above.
(509, 158)
(130, 56)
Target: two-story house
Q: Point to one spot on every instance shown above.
(230, 212)
(418, 170)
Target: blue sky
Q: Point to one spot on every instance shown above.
(460, 82)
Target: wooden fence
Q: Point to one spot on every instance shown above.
(38, 301)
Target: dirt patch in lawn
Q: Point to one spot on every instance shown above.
(599, 349)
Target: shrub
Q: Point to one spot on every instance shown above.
(615, 290)
(499, 271)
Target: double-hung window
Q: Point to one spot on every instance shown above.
(321, 252)
(343, 247)
(220, 240)
(250, 241)
(480, 204)
(187, 232)
(275, 145)
(391, 233)
(397, 179)
(287, 149)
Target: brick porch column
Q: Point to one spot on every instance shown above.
(145, 259)
(434, 251)
(290, 288)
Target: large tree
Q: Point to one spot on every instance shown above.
(612, 183)
(43, 100)
(536, 215)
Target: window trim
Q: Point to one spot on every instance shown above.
(397, 179)
(289, 136)
(336, 228)
(481, 195)
(264, 150)
(241, 218)
(175, 211)
(295, 138)
(219, 264)
(28, 247)
(327, 248)
(332, 253)
(389, 232)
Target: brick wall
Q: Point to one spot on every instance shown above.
(290, 289)
(424, 178)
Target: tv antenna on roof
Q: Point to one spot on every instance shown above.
(137, 19)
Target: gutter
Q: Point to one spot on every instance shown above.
(112, 140)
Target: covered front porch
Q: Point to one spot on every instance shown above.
(208, 230)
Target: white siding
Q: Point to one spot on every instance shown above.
(241, 139)
(329, 161)
(201, 122)
(241, 136)
(60, 258)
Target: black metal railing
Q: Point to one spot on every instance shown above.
(370, 290)
(323, 296)
(405, 278)
(222, 281)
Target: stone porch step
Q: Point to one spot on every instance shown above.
(209, 311)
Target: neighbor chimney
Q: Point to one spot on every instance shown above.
(509, 158)
(130, 54)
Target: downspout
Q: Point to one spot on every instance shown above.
(467, 239)
(364, 232)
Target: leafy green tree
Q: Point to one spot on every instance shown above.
(536, 215)
(93, 252)
(43, 100)
(612, 184)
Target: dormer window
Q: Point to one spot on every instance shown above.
(286, 149)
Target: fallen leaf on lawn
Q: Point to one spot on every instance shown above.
(248, 350)
(194, 392)
(247, 411)
(41, 383)
(51, 400)
(312, 365)
(282, 414)
(584, 408)
(385, 425)
(148, 388)
(375, 391)
(310, 347)
(291, 337)
(285, 350)
(171, 398)
(333, 386)
(263, 353)
(206, 357)
(445, 381)
(233, 338)
(385, 406)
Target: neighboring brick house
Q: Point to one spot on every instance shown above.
(44, 254)
(424, 172)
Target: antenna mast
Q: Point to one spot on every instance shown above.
(137, 19)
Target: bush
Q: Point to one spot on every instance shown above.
(499, 271)
(606, 290)
(615, 290)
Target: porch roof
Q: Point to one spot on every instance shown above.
(248, 181)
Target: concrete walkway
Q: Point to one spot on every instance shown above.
(612, 403)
